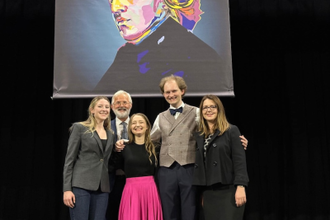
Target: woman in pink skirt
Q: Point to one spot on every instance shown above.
(140, 199)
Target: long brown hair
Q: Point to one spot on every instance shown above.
(150, 147)
(221, 121)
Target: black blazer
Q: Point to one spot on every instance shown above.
(113, 161)
(225, 159)
(86, 163)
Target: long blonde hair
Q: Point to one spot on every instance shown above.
(221, 121)
(91, 122)
(150, 147)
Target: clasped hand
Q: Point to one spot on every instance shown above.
(120, 145)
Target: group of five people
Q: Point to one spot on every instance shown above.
(193, 154)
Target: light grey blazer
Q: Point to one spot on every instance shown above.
(86, 164)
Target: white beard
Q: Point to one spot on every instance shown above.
(121, 115)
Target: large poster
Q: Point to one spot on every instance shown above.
(102, 46)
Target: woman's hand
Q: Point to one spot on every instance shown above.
(240, 197)
(120, 145)
(69, 199)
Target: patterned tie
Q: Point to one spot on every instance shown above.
(124, 132)
(174, 111)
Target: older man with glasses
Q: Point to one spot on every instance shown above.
(121, 105)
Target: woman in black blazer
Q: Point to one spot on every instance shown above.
(86, 184)
(220, 167)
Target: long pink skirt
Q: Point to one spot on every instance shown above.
(140, 200)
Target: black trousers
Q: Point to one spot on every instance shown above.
(177, 193)
(115, 197)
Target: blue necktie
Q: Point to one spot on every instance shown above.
(124, 132)
(173, 111)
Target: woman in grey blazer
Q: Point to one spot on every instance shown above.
(85, 176)
(220, 166)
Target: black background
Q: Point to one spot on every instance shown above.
(281, 63)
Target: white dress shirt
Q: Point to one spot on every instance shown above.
(119, 127)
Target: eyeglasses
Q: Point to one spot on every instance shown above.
(211, 107)
(121, 103)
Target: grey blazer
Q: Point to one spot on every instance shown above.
(86, 164)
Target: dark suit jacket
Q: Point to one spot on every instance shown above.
(114, 128)
(171, 49)
(112, 162)
(86, 163)
(225, 160)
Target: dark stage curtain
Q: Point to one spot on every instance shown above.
(281, 63)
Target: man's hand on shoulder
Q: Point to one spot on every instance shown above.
(244, 141)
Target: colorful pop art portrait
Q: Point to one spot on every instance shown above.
(108, 45)
(136, 19)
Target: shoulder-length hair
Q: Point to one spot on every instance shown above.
(150, 147)
(221, 121)
(91, 122)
